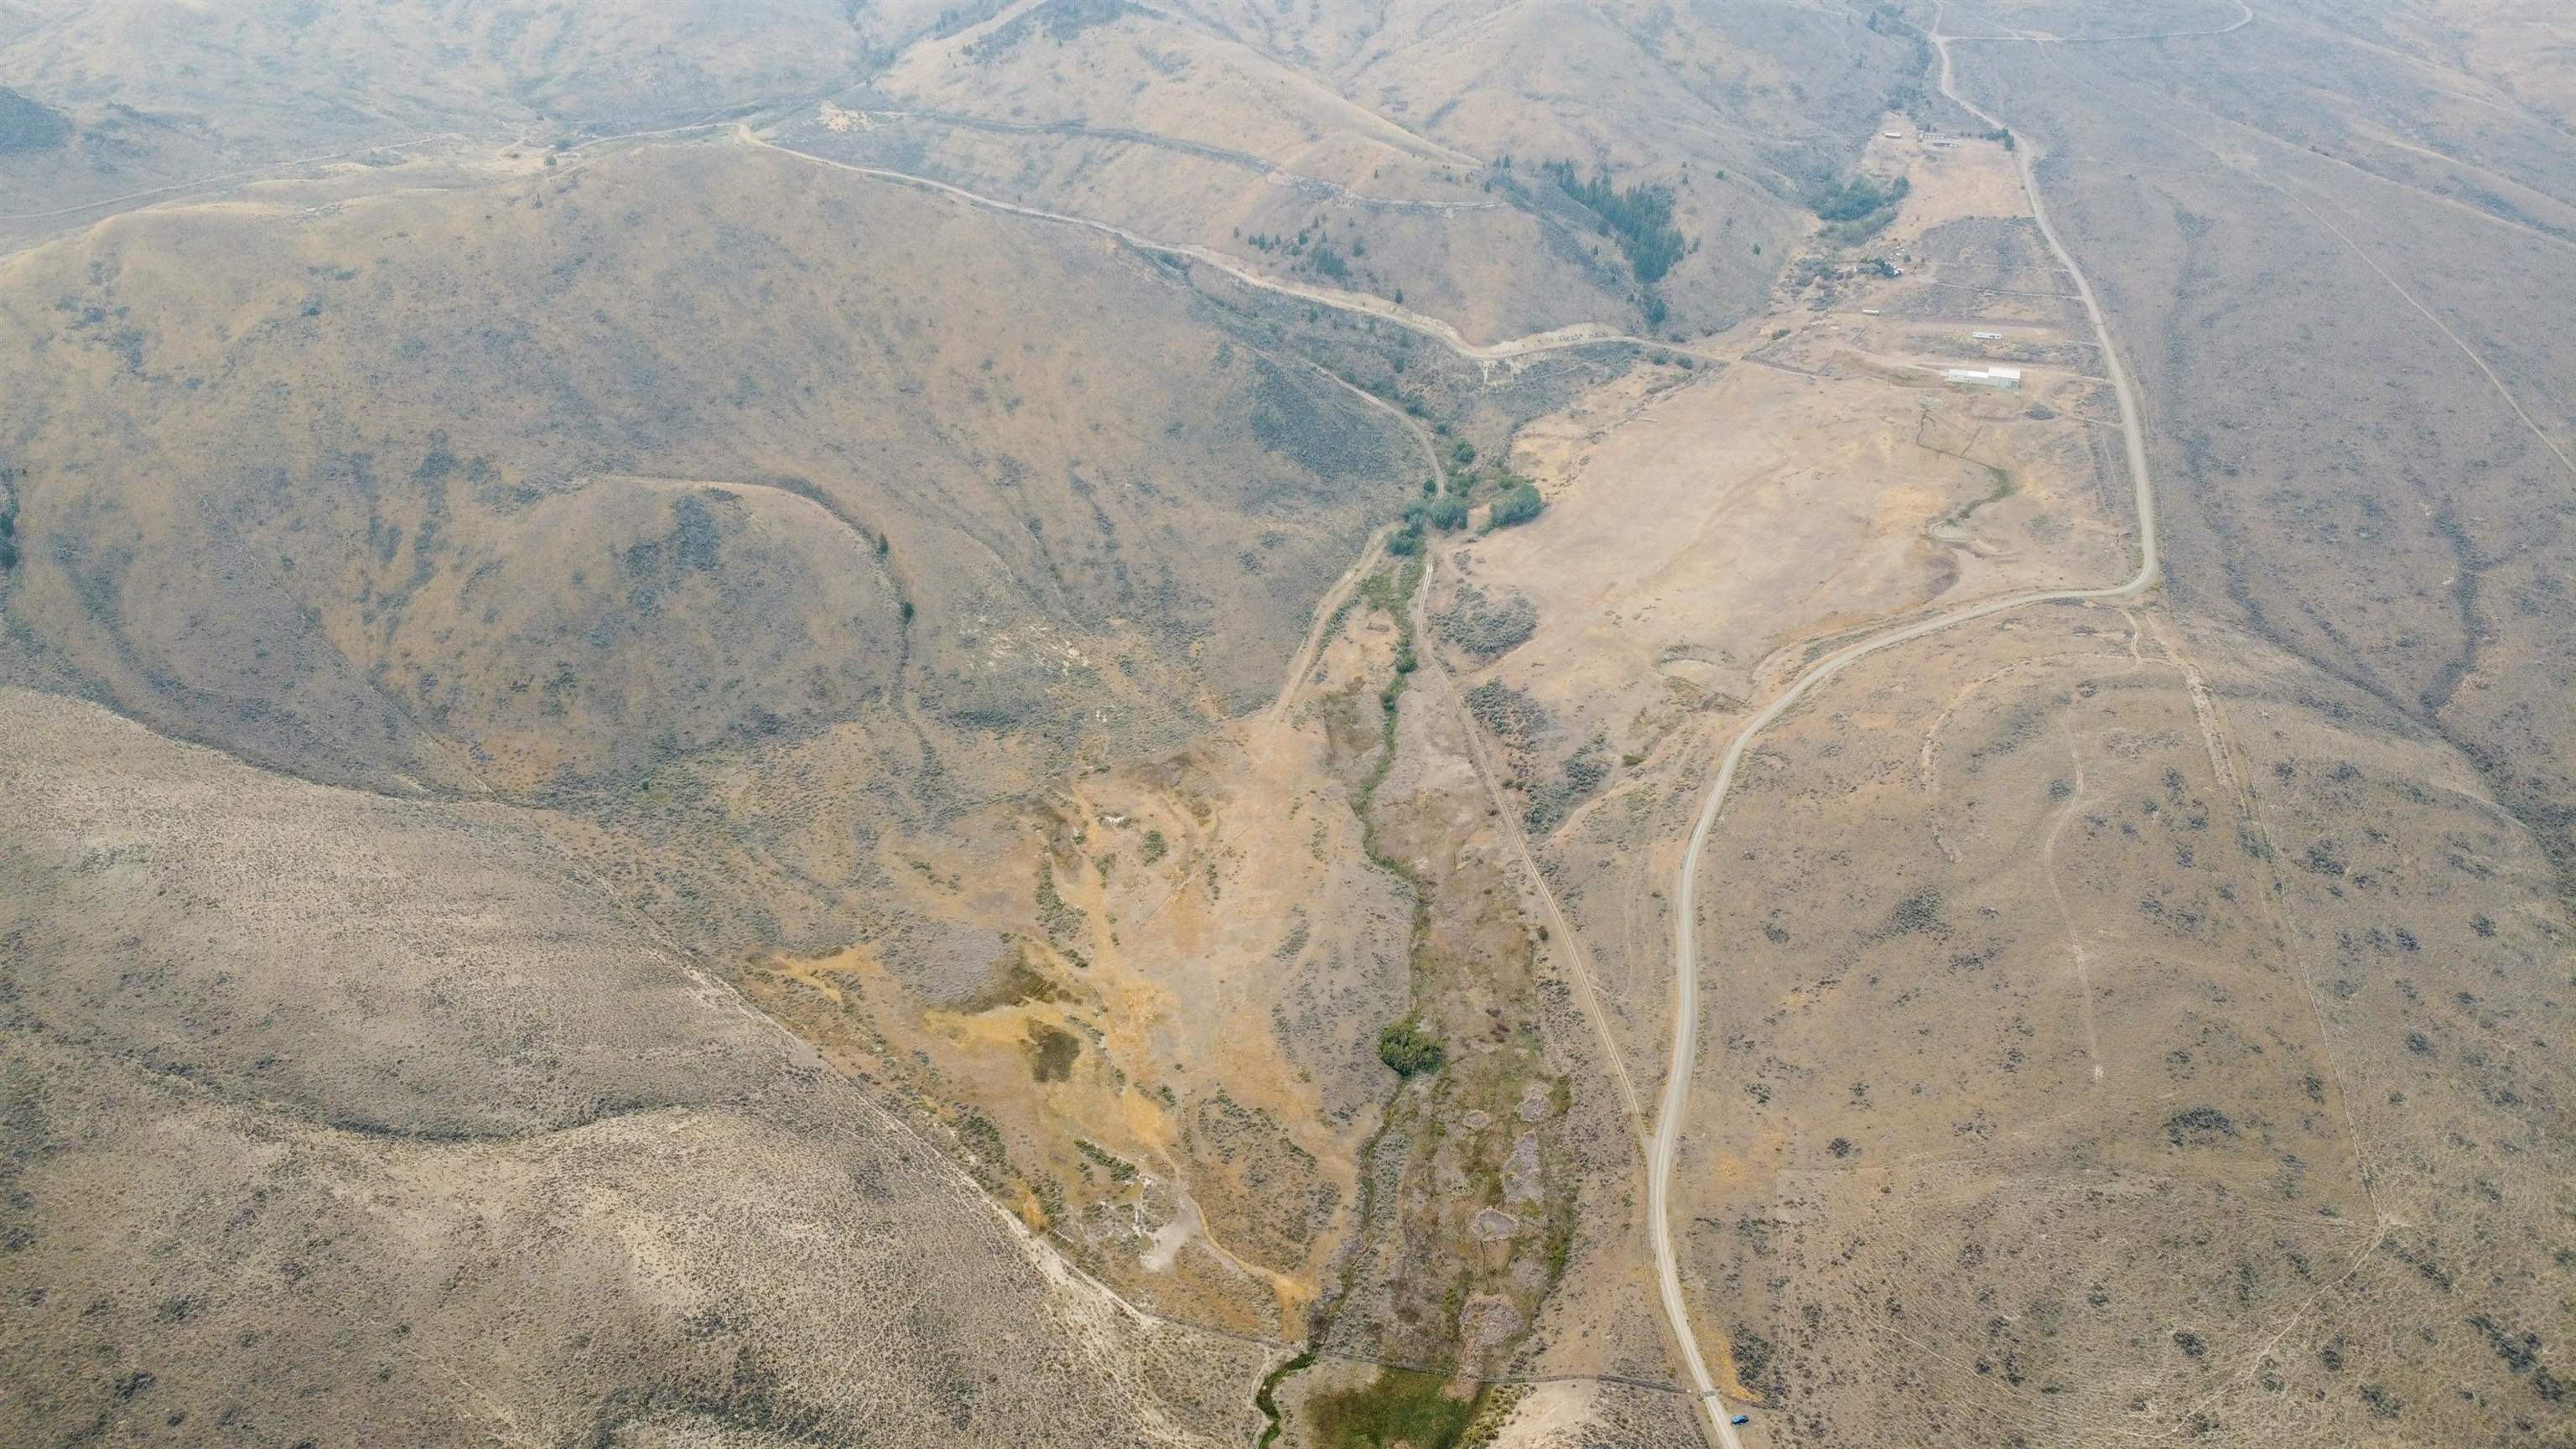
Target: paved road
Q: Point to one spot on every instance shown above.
(1687, 1025)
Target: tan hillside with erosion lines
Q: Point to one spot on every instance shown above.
(1171, 977)
(152, 95)
(793, 723)
(716, 464)
(2128, 987)
(535, 1173)
(1407, 163)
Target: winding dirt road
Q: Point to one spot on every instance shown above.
(1686, 1007)
(1686, 960)
(1582, 334)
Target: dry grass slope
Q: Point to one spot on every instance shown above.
(655, 478)
(601, 579)
(297, 1154)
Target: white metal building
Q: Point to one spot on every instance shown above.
(2006, 378)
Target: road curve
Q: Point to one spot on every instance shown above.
(1581, 334)
(1686, 1023)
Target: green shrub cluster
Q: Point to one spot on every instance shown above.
(1519, 503)
(27, 125)
(1409, 1050)
(1855, 197)
(1447, 514)
(1855, 208)
(11, 480)
(1399, 1407)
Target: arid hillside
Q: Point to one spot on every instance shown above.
(1472, 726)
(2373, 453)
(519, 488)
(299, 1150)
(2211, 1082)
(1406, 155)
(131, 96)
(729, 551)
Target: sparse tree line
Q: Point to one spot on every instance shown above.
(1639, 217)
(28, 125)
(9, 517)
(1311, 247)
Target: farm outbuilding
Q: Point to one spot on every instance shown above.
(2007, 378)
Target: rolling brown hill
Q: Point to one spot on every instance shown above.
(318, 1154)
(781, 724)
(523, 487)
(1401, 154)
